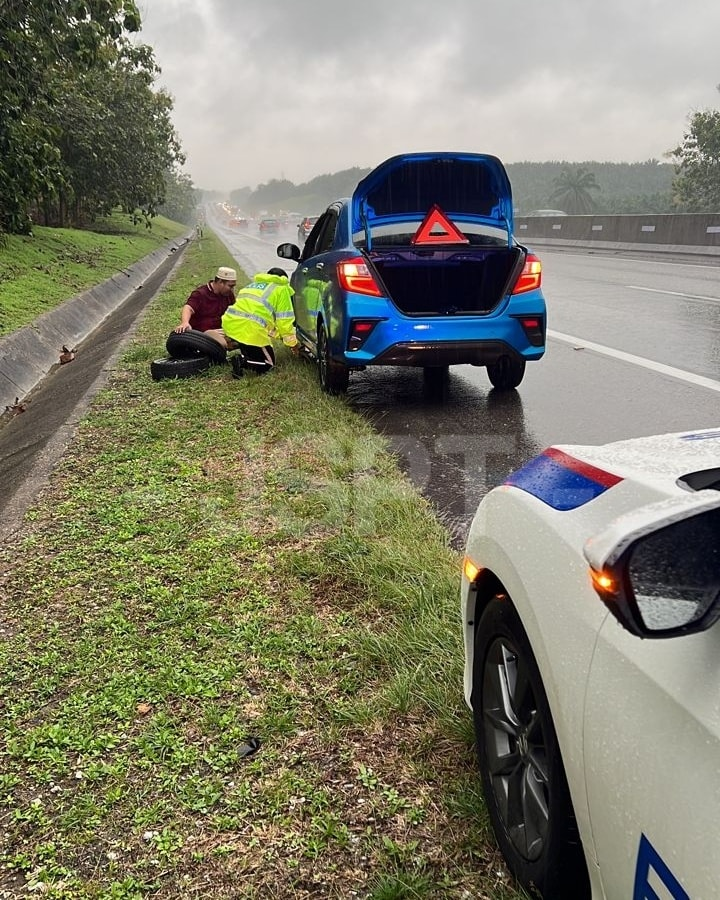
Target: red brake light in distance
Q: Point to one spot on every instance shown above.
(354, 275)
(531, 275)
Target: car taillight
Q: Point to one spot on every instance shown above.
(354, 275)
(530, 277)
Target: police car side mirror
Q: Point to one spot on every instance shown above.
(662, 579)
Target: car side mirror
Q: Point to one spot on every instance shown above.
(665, 580)
(289, 251)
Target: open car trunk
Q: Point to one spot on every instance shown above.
(424, 281)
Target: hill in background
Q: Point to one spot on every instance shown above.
(624, 188)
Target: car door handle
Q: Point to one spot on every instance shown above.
(304, 270)
(320, 266)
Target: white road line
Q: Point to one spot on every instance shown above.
(636, 287)
(680, 374)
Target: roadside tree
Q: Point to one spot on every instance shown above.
(572, 190)
(697, 164)
(38, 39)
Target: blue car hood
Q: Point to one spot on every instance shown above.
(471, 187)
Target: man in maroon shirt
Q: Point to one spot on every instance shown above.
(204, 308)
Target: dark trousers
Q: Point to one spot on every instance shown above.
(257, 359)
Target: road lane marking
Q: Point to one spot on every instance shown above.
(636, 287)
(680, 374)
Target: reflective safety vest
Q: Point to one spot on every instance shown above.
(262, 310)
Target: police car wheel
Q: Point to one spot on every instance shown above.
(523, 778)
(161, 369)
(186, 344)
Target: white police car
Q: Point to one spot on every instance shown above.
(590, 594)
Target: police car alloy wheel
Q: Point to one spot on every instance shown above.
(523, 779)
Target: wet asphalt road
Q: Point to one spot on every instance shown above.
(633, 349)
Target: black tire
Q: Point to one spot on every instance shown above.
(506, 372)
(178, 368)
(192, 343)
(522, 772)
(334, 377)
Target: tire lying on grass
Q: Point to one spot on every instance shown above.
(178, 368)
(193, 343)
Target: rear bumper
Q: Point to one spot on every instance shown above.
(449, 353)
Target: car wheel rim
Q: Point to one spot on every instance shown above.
(322, 356)
(514, 744)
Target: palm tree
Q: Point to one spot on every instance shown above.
(572, 190)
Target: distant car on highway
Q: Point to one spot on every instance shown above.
(239, 222)
(305, 227)
(269, 226)
(420, 267)
(589, 601)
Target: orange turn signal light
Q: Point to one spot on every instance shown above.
(470, 570)
(603, 582)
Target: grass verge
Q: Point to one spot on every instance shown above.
(218, 564)
(39, 272)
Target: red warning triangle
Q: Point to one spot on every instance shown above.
(436, 228)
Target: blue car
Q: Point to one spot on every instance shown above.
(420, 267)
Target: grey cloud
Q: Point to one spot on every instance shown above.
(271, 88)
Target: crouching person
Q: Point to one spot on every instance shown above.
(262, 310)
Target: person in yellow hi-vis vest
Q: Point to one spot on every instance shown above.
(262, 311)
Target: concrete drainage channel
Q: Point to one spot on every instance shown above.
(51, 397)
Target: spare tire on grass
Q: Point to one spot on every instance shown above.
(178, 368)
(188, 344)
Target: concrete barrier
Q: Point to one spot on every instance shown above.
(28, 354)
(697, 233)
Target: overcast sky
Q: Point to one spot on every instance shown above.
(297, 88)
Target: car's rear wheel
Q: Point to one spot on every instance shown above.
(522, 772)
(506, 372)
(334, 377)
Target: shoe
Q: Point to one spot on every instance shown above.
(238, 366)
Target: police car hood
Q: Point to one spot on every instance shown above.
(469, 187)
(667, 460)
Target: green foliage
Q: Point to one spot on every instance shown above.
(697, 184)
(572, 190)
(309, 198)
(81, 128)
(116, 137)
(619, 188)
(181, 198)
(37, 273)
